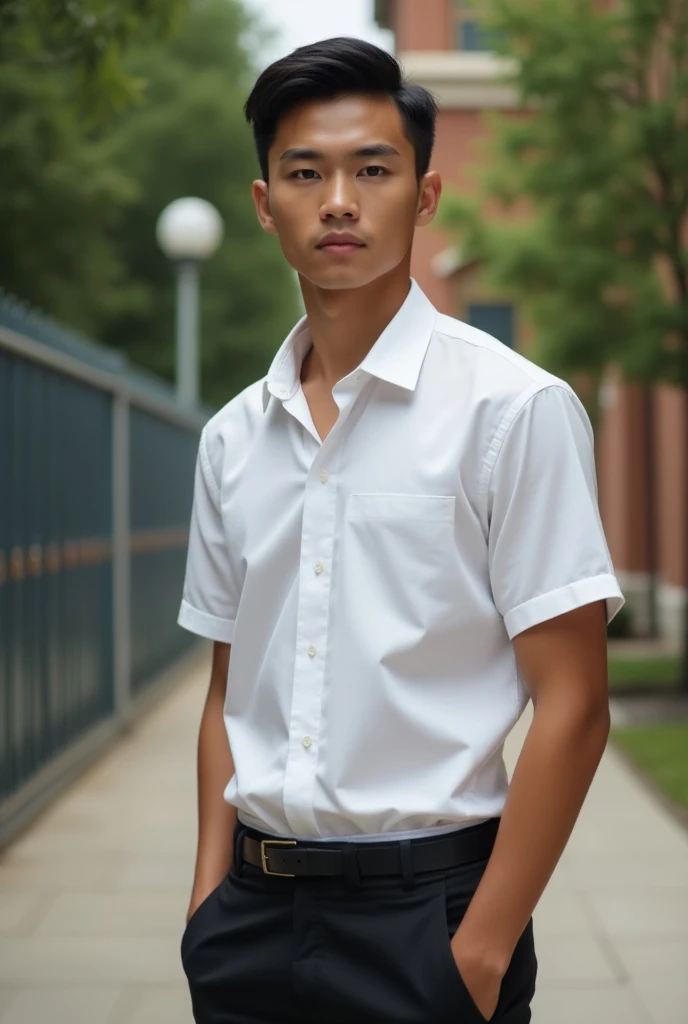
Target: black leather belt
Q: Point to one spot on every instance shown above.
(297, 858)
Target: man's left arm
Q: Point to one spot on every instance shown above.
(553, 583)
(563, 664)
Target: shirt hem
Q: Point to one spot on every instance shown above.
(373, 837)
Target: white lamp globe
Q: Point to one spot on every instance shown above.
(189, 229)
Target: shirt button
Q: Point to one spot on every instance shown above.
(318, 566)
(323, 476)
(307, 741)
(357, 376)
(312, 650)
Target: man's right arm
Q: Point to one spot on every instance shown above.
(216, 818)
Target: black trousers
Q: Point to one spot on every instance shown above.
(263, 949)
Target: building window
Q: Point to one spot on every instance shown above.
(469, 33)
(496, 319)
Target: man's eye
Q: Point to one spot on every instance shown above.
(375, 167)
(303, 170)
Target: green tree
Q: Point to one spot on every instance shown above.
(190, 138)
(601, 163)
(60, 195)
(87, 38)
(96, 140)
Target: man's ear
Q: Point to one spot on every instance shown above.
(261, 201)
(429, 192)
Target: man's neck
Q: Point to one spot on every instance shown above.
(345, 324)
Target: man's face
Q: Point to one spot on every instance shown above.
(344, 166)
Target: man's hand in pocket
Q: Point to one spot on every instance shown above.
(482, 979)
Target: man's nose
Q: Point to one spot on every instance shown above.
(341, 197)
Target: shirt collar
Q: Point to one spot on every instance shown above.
(396, 356)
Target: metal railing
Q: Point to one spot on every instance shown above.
(96, 484)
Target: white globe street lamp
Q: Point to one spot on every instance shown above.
(189, 230)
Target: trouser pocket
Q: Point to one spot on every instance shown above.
(195, 919)
(384, 956)
(518, 984)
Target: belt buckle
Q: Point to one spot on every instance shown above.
(264, 858)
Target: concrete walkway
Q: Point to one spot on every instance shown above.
(611, 929)
(93, 895)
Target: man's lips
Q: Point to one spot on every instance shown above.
(341, 247)
(343, 243)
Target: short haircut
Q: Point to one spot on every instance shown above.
(337, 67)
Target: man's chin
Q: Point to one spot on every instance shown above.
(338, 278)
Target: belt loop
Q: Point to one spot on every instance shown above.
(239, 833)
(352, 870)
(409, 880)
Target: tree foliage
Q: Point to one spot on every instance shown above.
(86, 38)
(106, 117)
(190, 138)
(601, 164)
(61, 73)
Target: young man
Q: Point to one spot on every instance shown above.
(396, 533)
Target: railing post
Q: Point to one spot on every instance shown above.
(121, 633)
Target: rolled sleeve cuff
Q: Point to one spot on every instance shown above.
(204, 624)
(565, 599)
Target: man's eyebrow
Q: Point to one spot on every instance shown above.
(375, 149)
(300, 154)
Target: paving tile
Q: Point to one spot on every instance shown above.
(573, 958)
(560, 911)
(18, 905)
(657, 968)
(61, 1005)
(636, 911)
(597, 1004)
(155, 872)
(7, 997)
(74, 872)
(43, 960)
(162, 1004)
(615, 872)
(666, 999)
(122, 913)
(151, 836)
(593, 838)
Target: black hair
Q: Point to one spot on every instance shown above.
(335, 67)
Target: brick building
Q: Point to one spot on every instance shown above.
(640, 446)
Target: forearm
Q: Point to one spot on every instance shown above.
(556, 766)
(216, 818)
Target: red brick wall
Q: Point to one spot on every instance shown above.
(423, 24)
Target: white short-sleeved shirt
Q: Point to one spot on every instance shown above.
(371, 584)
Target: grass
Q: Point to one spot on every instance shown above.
(650, 672)
(662, 752)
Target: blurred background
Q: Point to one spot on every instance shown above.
(562, 142)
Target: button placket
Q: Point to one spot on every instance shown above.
(317, 543)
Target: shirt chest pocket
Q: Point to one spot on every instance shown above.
(420, 508)
(399, 557)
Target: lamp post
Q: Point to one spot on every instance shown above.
(189, 230)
